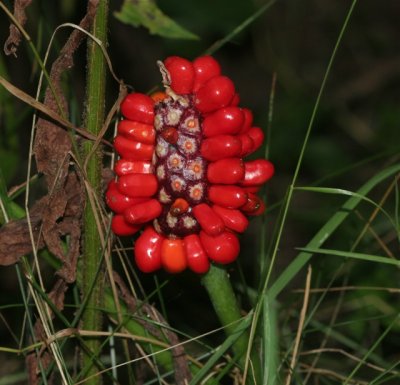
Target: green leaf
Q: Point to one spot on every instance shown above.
(146, 13)
(350, 254)
(270, 341)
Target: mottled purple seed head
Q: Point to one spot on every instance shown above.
(180, 169)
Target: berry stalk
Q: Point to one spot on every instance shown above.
(223, 299)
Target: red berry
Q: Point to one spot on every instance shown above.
(121, 227)
(158, 96)
(226, 171)
(144, 133)
(252, 189)
(131, 150)
(228, 196)
(182, 74)
(216, 93)
(247, 121)
(257, 172)
(124, 167)
(148, 250)
(197, 259)
(173, 256)
(180, 206)
(233, 219)
(143, 212)
(170, 134)
(118, 202)
(257, 135)
(247, 144)
(221, 146)
(235, 100)
(223, 248)
(254, 205)
(226, 120)
(205, 67)
(139, 107)
(209, 221)
(138, 185)
(260, 209)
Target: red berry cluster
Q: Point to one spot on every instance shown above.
(181, 174)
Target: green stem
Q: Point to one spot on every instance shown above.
(223, 298)
(92, 273)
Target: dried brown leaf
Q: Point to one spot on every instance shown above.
(61, 218)
(15, 237)
(61, 209)
(52, 150)
(13, 40)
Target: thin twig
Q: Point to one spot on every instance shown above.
(301, 325)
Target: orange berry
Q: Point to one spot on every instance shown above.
(173, 256)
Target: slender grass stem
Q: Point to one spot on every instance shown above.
(92, 276)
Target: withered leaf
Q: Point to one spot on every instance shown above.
(13, 40)
(15, 236)
(52, 150)
(63, 217)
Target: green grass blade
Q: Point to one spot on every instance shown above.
(373, 347)
(241, 328)
(270, 342)
(397, 207)
(339, 191)
(350, 254)
(8, 209)
(328, 229)
(217, 45)
(381, 380)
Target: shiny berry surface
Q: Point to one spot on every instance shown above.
(121, 227)
(133, 150)
(173, 256)
(138, 107)
(228, 120)
(226, 171)
(136, 131)
(148, 250)
(182, 74)
(126, 166)
(220, 147)
(206, 68)
(216, 93)
(223, 248)
(197, 258)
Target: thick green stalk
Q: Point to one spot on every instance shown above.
(92, 273)
(223, 298)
